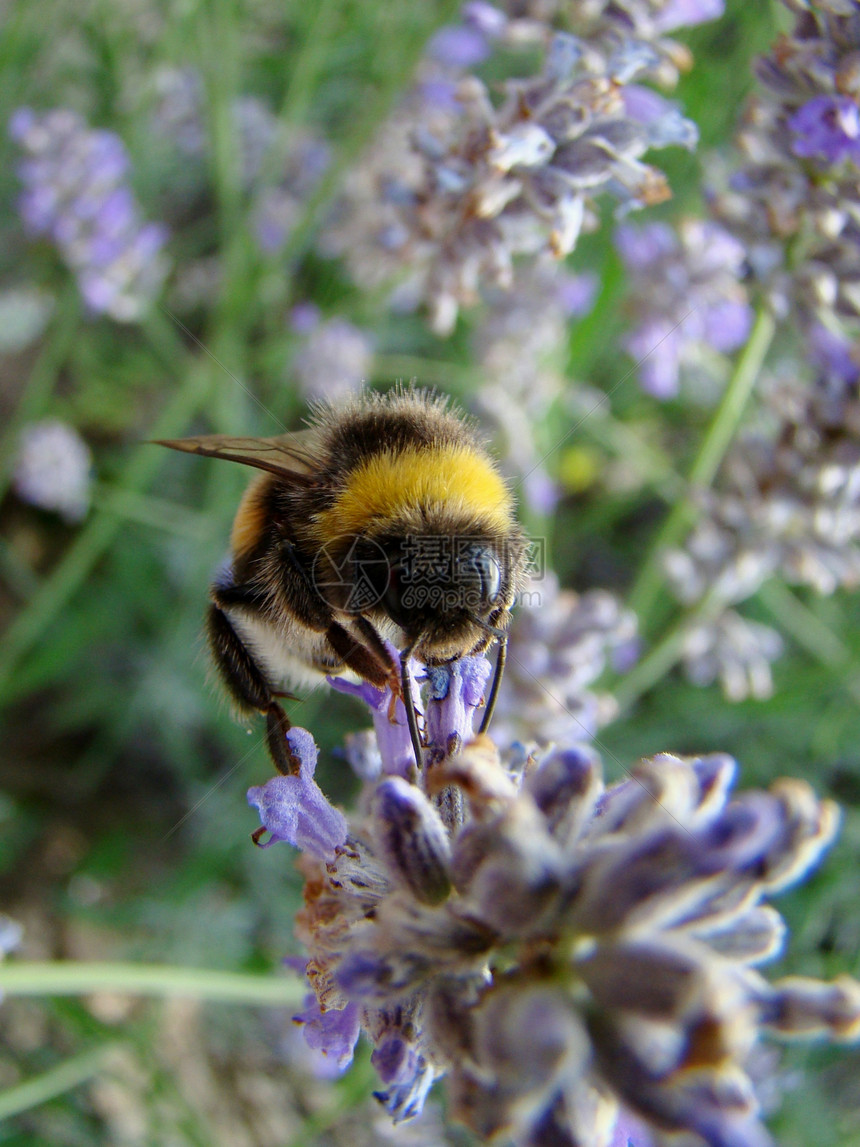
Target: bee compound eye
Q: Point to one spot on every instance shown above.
(482, 573)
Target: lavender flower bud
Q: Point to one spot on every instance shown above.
(412, 838)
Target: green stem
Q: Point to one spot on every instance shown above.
(725, 423)
(74, 978)
(665, 655)
(72, 1072)
(155, 513)
(800, 622)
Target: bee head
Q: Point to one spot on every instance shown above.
(443, 592)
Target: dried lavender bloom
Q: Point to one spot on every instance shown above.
(572, 958)
(560, 644)
(640, 23)
(788, 505)
(76, 194)
(736, 652)
(335, 357)
(795, 201)
(687, 300)
(53, 469)
(494, 183)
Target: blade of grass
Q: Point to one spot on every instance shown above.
(74, 978)
(71, 1073)
(646, 588)
(40, 384)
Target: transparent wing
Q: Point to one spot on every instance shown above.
(293, 456)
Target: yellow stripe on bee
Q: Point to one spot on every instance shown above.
(396, 482)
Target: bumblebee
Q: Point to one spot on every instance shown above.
(384, 521)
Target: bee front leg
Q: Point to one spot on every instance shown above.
(373, 665)
(249, 687)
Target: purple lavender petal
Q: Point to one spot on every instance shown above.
(657, 347)
(832, 354)
(541, 492)
(576, 293)
(294, 808)
(727, 326)
(630, 1132)
(643, 104)
(21, 123)
(393, 737)
(439, 93)
(485, 18)
(458, 47)
(456, 690)
(405, 1100)
(828, 128)
(687, 13)
(333, 1033)
(304, 317)
(640, 247)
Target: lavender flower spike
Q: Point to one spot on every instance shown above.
(76, 194)
(294, 808)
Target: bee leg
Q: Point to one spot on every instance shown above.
(375, 666)
(249, 688)
(378, 647)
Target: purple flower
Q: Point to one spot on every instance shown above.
(832, 354)
(333, 1033)
(828, 128)
(389, 722)
(456, 690)
(294, 808)
(687, 296)
(687, 13)
(459, 46)
(53, 469)
(75, 194)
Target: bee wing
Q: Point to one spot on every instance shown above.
(293, 456)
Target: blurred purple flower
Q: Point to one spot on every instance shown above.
(334, 359)
(53, 469)
(458, 46)
(686, 296)
(75, 194)
(687, 13)
(827, 128)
